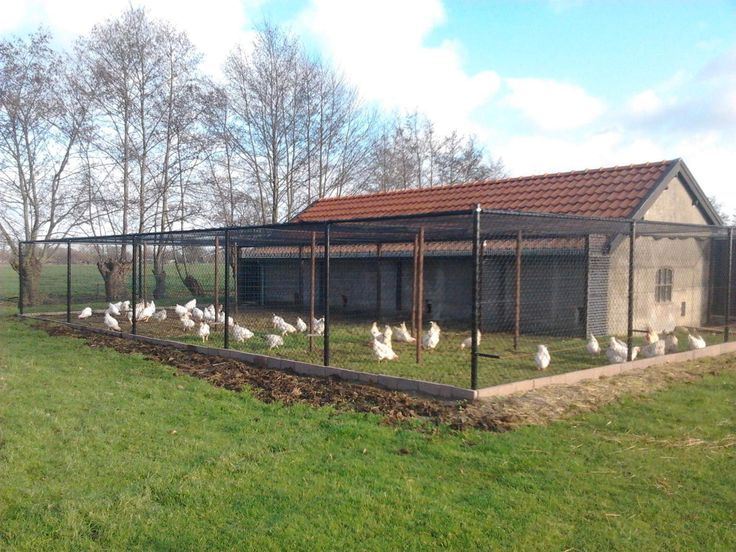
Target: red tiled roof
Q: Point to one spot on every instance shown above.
(614, 192)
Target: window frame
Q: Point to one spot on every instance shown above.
(664, 285)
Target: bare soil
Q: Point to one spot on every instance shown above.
(537, 407)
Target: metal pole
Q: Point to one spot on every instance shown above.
(68, 281)
(236, 279)
(630, 326)
(216, 290)
(378, 282)
(586, 291)
(226, 336)
(517, 294)
(729, 272)
(300, 266)
(140, 272)
(420, 293)
(144, 287)
(475, 319)
(21, 262)
(134, 299)
(326, 296)
(415, 261)
(312, 288)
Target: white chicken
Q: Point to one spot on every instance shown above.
(180, 311)
(189, 305)
(403, 335)
(617, 352)
(276, 320)
(375, 332)
(386, 336)
(432, 338)
(204, 331)
(593, 347)
(241, 333)
(301, 325)
(383, 351)
(111, 323)
(160, 315)
(148, 311)
(652, 350)
(695, 341)
(651, 336)
(318, 326)
(113, 309)
(670, 343)
(197, 314)
(468, 341)
(187, 323)
(273, 341)
(123, 306)
(284, 327)
(86, 313)
(542, 358)
(208, 315)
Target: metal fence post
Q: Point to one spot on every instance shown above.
(21, 260)
(68, 281)
(420, 294)
(729, 278)
(475, 319)
(134, 298)
(226, 338)
(630, 324)
(326, 296)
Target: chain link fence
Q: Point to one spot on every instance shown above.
(473, 299)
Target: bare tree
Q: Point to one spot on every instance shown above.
(41, 115)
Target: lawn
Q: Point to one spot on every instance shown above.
(100, 450)
(350, 338)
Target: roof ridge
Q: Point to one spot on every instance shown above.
(409, 191)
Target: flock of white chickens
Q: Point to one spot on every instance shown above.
(381, 341)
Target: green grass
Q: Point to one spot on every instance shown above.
(350, 347)
(89, 461)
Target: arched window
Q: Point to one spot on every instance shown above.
(663, 287)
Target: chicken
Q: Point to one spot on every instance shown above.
(204, 331)
(432, 338)
(542, 358)
(160, 315)
(147, 312)
(86, 313)
(180, 311)
(123, 306)
(375, 332)
(653, 349)
(402, 335)
(283, 326)
(617, 352)
(593, 347)
(383, 351)
(187, 323)
(468, 341)
(695, 341)
(276, 320)
(651, 336)
(273, 341)
(111, 323)
(301, 326)
(318, 325)
(386, 336)
(670, 343)
(197, 314)
(113, 309)
(189, 305)
(241, 333)
(208, 314)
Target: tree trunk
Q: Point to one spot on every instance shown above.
(113, 272)
(159, 277)
(30, 273)
(193, 285)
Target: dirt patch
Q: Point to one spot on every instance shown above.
(535, 407)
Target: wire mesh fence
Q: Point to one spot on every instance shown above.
(472, 298)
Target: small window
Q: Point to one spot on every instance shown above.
(663, 288)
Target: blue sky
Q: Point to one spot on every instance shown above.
(546, 84)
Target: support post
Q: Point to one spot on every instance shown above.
(517, 292)
(729, 283)
(379, 290)
(140, 271)
(226, 331)
(68, 281)
(236, 279)
(326, 296)
(312, 288)
(21, 261)
(475, 318)
(144, 286)
(630, 325)
(134, 298)
(216, 290)
(586, 291)
(420, 292)
(414, 266)
(300, 266)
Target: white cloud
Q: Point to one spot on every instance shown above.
(214, 27)
(645, 103)
(553, 105)
(382, 47)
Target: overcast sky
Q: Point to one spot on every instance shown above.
(547, 85)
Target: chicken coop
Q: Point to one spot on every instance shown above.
(496, 284)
